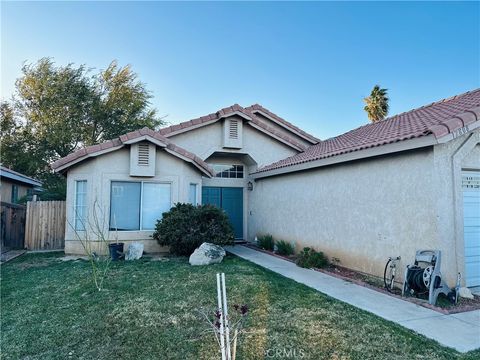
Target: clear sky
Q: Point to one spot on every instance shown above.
(311, 63)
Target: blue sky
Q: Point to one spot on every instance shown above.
(311, 63)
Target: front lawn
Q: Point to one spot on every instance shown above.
(50, 310)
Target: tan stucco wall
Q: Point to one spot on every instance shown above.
(99, 172)
(450, 159)
(263, 149)
(361, 213)
(6, 190)
(365, 211)
(206, 140)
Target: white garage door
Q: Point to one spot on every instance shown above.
(471, 226)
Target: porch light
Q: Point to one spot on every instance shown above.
(249, 186)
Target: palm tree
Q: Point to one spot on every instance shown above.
(377, 104)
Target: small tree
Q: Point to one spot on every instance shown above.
(376, 105)
(95, 232)
(185, 227)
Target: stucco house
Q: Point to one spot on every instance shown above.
(386, 189)
(14, 186)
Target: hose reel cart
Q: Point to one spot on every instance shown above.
(424, 277)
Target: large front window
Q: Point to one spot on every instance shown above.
(138, 205)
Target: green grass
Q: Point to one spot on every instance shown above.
(50, 310)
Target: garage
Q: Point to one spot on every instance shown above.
(471, 226)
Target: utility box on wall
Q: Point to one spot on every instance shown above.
(142, 159)
(233, 133)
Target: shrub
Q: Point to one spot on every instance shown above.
(266, 242)
(285, 248)
(185, 227)
(309, 258)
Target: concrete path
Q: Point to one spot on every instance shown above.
(458, 331)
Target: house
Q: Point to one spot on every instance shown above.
(15, 186)
(385, 189)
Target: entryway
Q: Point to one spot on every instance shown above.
(229, 199)
(471, 226)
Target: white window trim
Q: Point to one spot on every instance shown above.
(141, 202)
(197, 186)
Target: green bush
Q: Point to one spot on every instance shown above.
(185, 227)
(309, 258)
(284, 248)
(266, 242)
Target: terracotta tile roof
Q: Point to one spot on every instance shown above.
(257, 107)
(94, 150)
(249, 114)
(439, 118)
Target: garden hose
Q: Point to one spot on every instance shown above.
(385, 275)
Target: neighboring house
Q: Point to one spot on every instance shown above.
(409, 182)
(15, 186)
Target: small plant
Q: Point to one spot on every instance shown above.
(309, 258)
(185, 227)
(285, 248)
(266, 242)
(335, 261)
(94, 240)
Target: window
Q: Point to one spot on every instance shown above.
(228, 171)
(138, 205)
(14, 194)
(80, 206)
(192, 194)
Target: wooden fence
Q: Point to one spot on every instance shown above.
(12, 228)
(45, 225)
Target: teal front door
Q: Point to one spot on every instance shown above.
(229, 199)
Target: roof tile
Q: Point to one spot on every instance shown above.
(439, 118)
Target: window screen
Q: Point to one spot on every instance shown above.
(80, 209)
(155, 201)
(192, 194)
(125, 205)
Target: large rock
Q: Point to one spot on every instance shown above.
(207, 254)
(465, 293)
(134, 251)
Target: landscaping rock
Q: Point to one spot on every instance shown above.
(134, 251)
(207, 254)
(465, 293)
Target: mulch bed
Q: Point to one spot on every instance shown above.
(376, 283)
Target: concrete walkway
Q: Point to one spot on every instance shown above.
(458, 331)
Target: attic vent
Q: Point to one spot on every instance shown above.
(143, 154)
(233, 130)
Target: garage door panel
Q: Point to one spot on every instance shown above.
(471, 226)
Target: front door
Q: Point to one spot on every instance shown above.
(229, 199)
(471, 226)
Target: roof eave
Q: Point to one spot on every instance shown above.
(296, 147)
(66, 166)
(399, 146)
(309, 138)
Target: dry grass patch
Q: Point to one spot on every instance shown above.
(51, 310)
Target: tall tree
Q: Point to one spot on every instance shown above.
(376, 105)
(58, 109)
